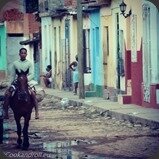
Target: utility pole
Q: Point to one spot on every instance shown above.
(80, 49)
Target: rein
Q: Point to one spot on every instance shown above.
(22, 86)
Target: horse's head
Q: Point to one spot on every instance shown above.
(22, 79)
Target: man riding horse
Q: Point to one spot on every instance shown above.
(21, 65)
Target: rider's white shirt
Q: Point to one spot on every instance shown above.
(22, 65)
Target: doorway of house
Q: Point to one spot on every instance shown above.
(105, 55)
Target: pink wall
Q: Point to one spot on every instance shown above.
(134, 71)
(137, 78)
(127, 65)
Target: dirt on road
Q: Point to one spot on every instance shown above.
(77, 132)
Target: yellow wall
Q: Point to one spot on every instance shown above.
(108, 18)
(107, 21)
(60, 47)
(57, 49)
(136, 7)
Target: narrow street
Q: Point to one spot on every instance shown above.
(96, 64)
(69, 132)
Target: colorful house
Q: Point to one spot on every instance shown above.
(95, 53)
(55, 29)
(19, 29)
(127, 51)
(120, 53)
(59, 40)
(141, 54)
(112, 51)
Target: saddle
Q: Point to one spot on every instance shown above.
(23, 96)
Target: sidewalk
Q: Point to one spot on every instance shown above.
(129, 112)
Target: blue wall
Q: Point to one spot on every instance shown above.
(96, 54)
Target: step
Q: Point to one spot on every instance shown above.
(124, 99)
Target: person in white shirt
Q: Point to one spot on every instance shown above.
(21, 64)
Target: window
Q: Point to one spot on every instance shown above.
(86, 51)
(107, 39)
(31, 6)
(97, 39)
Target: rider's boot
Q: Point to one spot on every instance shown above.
(36, 110)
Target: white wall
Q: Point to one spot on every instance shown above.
(47, 41)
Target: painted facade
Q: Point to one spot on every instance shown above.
(87, 54)
(59, 47)
(141, 54)
(112, 42)
(123, 51)
(130, 53)
(47, 42)
(19, 27)
(3, 63)
(57, 35)
(96, 56)
(6, 27)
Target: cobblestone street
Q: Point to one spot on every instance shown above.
(76, 132)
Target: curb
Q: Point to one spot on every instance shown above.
(135, 120)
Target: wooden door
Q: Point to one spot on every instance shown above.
(105, 54)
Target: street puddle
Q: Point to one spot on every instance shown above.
(6, 138)
(63, 150)
(5, 133)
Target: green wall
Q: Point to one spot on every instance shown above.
(3, 62)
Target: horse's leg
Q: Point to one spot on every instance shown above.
(19, 140)
(25, 132)
(35, 102)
